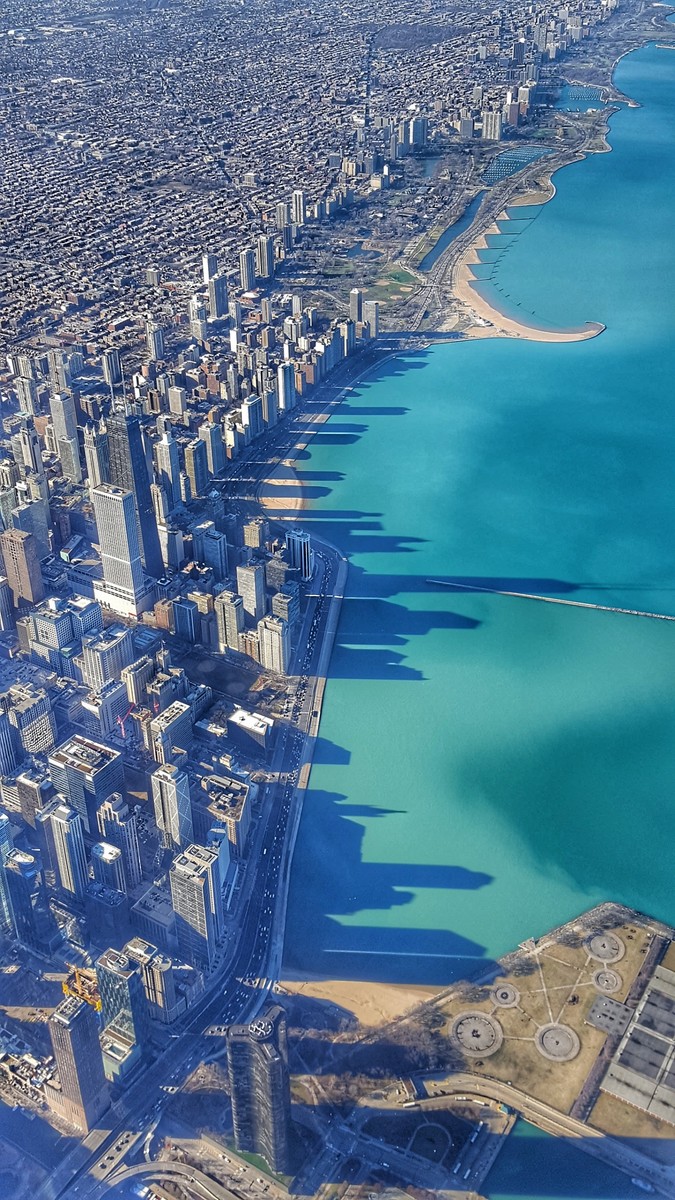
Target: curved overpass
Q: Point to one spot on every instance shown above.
(615, 1153)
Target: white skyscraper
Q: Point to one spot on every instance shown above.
(197, 902)
(68, 834)
(247, 270)
(96, 453)
(275, 644)
(124, 588)
(251, 588)
(298, 207)
(168, 468)
(209, 266)
(197, 311)
(154, 337)
(286, 386)
(118, 824)
(64, 420)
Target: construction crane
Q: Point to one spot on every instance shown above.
(121, 721)
(82, 984)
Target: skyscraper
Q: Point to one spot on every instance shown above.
(29, 712)
(298, 207)
(96, 454)
(196, 467)
(264, 254)
(300, 553)
(209, 266)
(22, 566)
(197, 902)
(86, 773)
(108, 867)
(286, 386)
(209, 546)
(229, 610)
(492, 126)
(168, 467)
(173, 810)
(251, 588)
(112, 367)
(212, 437)
(33, 922)
(26, 392)
(197, 312)
(247, 270)
(275, 644)
(371, 316)
(82, 1097)
(218, 297)
(119, 826)
(154, 339)
(123, 1002)
(32, 516)
(356, 305)
(106, 654)
(59, 374)
(71, 860)
(8, 752)
(128, 470)
(257, 1066)
(6, 606)
(6, 845)
(64, 420)
(124, 588)
(30, 446)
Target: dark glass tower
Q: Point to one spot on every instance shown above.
(33, 921)
(128, 470)
(257, 1062)
(123, 1001)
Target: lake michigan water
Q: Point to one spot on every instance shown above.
(489, 767)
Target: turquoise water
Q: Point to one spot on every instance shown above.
(489, 767)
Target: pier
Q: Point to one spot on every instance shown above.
(474, 587)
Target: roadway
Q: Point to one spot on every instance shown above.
(621, 1155)
(256, 955)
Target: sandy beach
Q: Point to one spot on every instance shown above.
(490, 322)
(371, 1003)
(281, 492)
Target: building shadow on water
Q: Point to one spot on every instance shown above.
(333, 947)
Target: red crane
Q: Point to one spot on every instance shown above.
(121, 721)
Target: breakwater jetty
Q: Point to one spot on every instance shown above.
(474, 587)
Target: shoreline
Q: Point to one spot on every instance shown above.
(284, 474)
(490, 321)
(370, 997)
(372, 1004)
